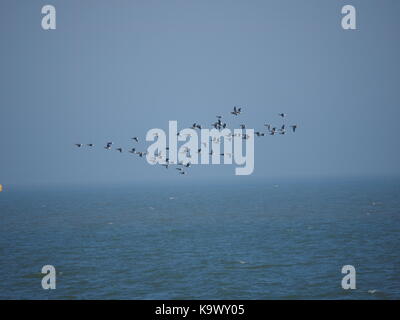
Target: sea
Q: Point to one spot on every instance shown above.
(281, 239)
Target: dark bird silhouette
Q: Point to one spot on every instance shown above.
(108, 146)
(294, 127)
(79, 145)
(236, 111)
(141, 154)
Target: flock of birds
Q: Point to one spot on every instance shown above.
(219, 125)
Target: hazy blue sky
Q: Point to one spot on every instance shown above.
(114, 69)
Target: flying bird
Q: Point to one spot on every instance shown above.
(236, 111)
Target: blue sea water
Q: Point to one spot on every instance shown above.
(267, 240)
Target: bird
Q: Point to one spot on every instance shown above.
(185, 150)
(108, 146)
(236, 111)
(161, 157)
(141, 154)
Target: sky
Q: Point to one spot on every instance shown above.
(115, 69)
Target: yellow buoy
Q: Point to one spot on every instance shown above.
(1, 188)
